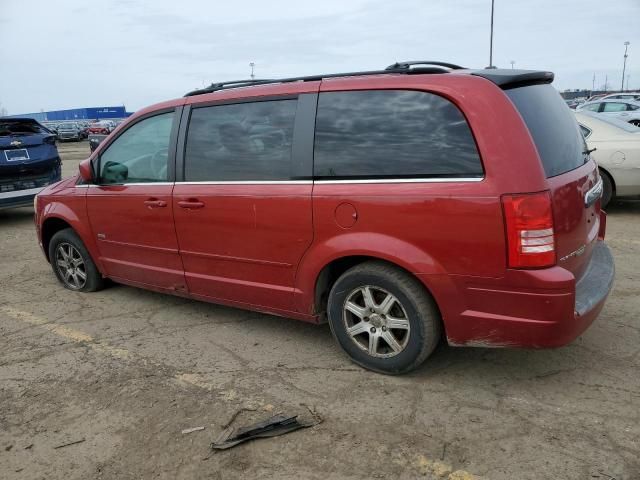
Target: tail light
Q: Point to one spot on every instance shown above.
(529, 226)
(50, 140)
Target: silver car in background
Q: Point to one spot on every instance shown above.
(617, 153)
(69, 131)
(626, 110)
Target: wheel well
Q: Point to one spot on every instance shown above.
(50, 227)
(613, 182)
(332, 271)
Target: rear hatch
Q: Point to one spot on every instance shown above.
(28, 155)
(570, 172)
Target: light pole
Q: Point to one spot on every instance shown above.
(624, 65)
(512, 62)
(491, 39)
(251, 64)
(593, 82)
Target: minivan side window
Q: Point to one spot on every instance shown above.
(140, 154)
(241, 142)
(392, 134)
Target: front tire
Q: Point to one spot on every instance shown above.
(383, 318)
(72, 263)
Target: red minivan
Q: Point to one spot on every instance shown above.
(400, 205)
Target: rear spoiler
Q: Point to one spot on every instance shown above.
(508, 78)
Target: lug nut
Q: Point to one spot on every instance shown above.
(373, 330)
(366, 319)
(384, 329)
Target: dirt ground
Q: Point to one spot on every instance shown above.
(124, 371)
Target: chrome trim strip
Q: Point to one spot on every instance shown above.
(403, 180)
(300, 182)
(125, 184)
(594, 193)
(251, 182)
(21, 193)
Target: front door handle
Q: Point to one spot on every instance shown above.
(155, 203)
(191, 203)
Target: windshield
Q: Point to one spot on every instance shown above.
(20, 127)
(553, 127)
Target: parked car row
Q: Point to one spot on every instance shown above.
(77, 130)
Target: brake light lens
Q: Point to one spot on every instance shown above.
(529, 227)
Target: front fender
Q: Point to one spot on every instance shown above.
(73, 211)
(368, 244)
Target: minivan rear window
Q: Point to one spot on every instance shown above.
(553, 127)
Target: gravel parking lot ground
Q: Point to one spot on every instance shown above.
(123, 371)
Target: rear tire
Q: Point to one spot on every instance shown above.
(607, 189)
(383, 318)
(72, 263)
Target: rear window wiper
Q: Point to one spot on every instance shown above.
(588, 151)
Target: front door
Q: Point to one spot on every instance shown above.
(243, 212)
(130, 207)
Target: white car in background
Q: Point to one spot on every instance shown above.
(633, 96)
(625, 110)
(617, 153)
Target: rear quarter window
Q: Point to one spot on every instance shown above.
(392, 134)
(553, 128)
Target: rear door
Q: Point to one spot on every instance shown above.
(130, 206)
(243, 210)
(571, 174)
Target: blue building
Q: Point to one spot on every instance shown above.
(88, 113)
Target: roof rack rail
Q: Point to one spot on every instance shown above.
(400, 67)
(408, 65)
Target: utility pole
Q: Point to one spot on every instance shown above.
(624, 65)
(512, 62)
(251, 64)
(593, 82)
(491, 39)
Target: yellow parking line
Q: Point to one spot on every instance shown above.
(420, 463)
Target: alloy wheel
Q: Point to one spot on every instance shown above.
(376, 321)
(71, 266)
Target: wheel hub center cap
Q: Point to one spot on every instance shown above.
(376, 321)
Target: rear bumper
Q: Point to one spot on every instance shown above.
(531, 309)
(18, 198)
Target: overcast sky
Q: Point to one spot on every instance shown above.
(58, 54)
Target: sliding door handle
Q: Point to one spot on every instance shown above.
(155, 203)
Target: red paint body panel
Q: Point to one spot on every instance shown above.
(245, 243)
(136, 241)
(263, 246)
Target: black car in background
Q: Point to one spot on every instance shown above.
(29, 160)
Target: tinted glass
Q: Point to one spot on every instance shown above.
(392, 133)
(594, 107)
(241, 142)
(585, 131)
(614, 107)
(140, 154)
(553, 127)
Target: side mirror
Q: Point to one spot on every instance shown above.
(86, 171)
